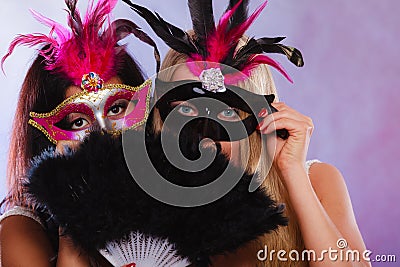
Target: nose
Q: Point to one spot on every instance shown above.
(100, 120)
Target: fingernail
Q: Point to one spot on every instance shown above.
(259, 126)
(262, 112)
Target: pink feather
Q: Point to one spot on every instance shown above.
(224, 20)
(95, 17)
(219, 42)
(31, 40)
(262, 59)
(238, 33)
(89, 52)
(62, 33)
(74, 53)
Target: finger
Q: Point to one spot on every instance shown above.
(288, 110)
(280, 115)
(283, 106)
(285, 114)
(266, 111)
(280, 106)
(292, 126)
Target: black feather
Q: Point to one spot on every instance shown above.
(124, 27)
(292, 53)
(92, 195)
(174, 37)
(202, 15)
(265, 45)
(242, 56)
(74, 19)
(240, 15)
(237, 19)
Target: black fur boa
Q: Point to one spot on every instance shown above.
(92, 196)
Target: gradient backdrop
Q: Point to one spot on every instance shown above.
(348, 86)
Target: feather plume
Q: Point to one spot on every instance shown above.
(293, 54)
(224, 40)
(85, 47)
(263, 59)
(96, 16)
(218, 43)
(31, 40)
(202, 14)
(240, 15)
(88, 52)
(62, 33)
(92, 195)
(221, 42)
(74, 18)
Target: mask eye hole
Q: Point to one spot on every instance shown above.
(229, 114)
(119, 104)
(120, 108)
(185, 108)
(75, 122)
(79, 124)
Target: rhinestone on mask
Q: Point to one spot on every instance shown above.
(212, 80)
(92, 82)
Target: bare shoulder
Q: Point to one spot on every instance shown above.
(330, 187)
(20, 235)
(327, 181)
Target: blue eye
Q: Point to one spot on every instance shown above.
(187, 110)
(228, 114)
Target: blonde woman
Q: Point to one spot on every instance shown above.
(318, 205)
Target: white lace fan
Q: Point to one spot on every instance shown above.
(141, 250)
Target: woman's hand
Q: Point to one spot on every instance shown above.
(291, 152)
(323, 192)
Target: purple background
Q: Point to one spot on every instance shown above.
(348, 86)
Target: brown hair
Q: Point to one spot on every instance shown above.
(42, 91)
(286, 238)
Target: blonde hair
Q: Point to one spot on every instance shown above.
(286, 238)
